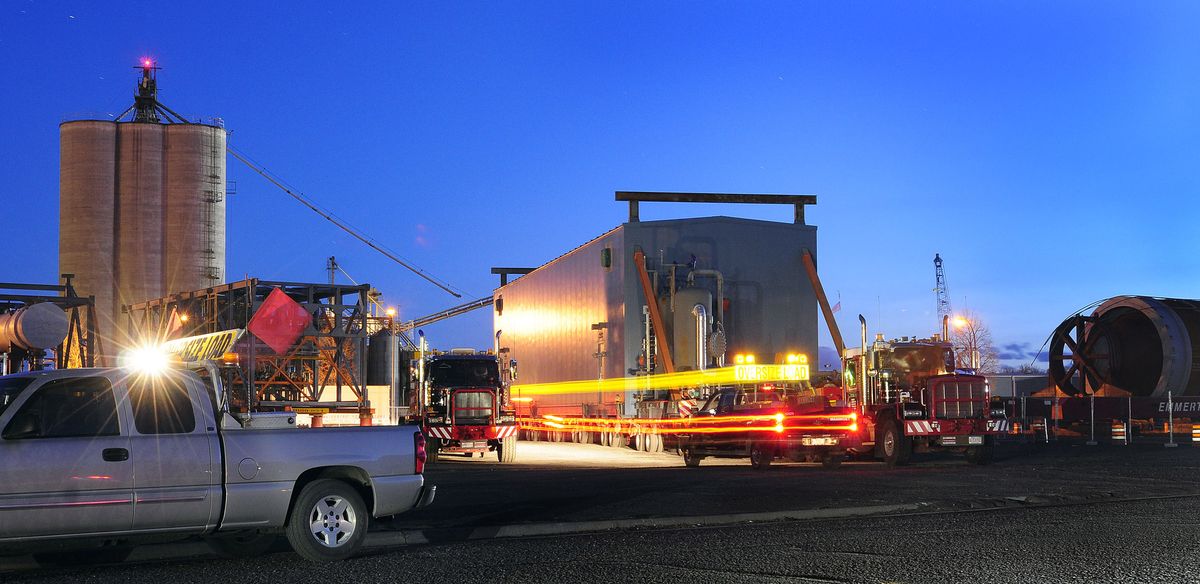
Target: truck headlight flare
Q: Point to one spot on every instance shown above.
(148, 359)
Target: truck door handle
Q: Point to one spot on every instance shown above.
(116, 454)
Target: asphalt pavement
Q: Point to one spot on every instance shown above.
(1059, 513)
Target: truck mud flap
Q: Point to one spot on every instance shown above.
(425, 497)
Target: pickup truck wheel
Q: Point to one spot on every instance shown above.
(691, 458)
(241, 545)
(832, 460)
(83, 557)
(897, 448)
(981, 455)
(328, 522)
(760, 456)
(506, 450)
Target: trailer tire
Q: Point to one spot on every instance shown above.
(506, 450)
(690, 458)
(655, 443)
(433, 447)
(896, 447)
(639, 442)
(619, 440)
(760, 455)
(317, 523)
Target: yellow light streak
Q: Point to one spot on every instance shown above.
(746, 373)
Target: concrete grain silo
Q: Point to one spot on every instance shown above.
(142, 207)
(87, 207)
(139, 213)
(194, 215)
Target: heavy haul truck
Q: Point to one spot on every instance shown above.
(623, 338)
(462, 405)
(911, 399)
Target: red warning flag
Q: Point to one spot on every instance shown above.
(279, 321)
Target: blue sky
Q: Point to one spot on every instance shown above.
(1048, 151)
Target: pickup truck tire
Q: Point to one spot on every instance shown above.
(981, 455)
(247, 544)
(896, 447)
(831, 460)
(83, 557)
(690, 458)
(328, 521)
(760, 455)
(506, 450)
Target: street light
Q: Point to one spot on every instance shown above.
(972, 342)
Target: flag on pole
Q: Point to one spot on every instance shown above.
(838, 306)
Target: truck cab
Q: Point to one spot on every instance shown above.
(913, 399)
(464, 405)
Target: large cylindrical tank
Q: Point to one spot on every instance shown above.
(685, 341)
(37, 326)
(382, 357)
(194, 215)
(139, 212)
(87, 203)
(1147, 346)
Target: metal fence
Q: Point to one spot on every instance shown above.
(1107, 420)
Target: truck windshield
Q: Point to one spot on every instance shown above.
(915, 364)
(464, 373)
(10, 389)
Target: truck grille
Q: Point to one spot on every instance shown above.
(960, 399)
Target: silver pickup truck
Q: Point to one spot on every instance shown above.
(93, 461)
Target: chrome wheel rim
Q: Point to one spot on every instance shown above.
(889, 444)
(332, 521)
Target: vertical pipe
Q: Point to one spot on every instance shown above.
(866, 397)
(701, 315)
(1092, 415)
(1129, 418)
(1170, 422)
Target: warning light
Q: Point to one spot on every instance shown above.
(147, 63)
(183, 317)
(391, 311)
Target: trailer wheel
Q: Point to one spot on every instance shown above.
(328, 522)
(832, 460)
(506, 450)
(654, 443)
(639, 442)
(606, 439)
(619, 440)
(760, 455)
(981, 455)
(897, 448)
(432, 447)
(690, 458)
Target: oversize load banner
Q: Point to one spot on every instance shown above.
(201, 347)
